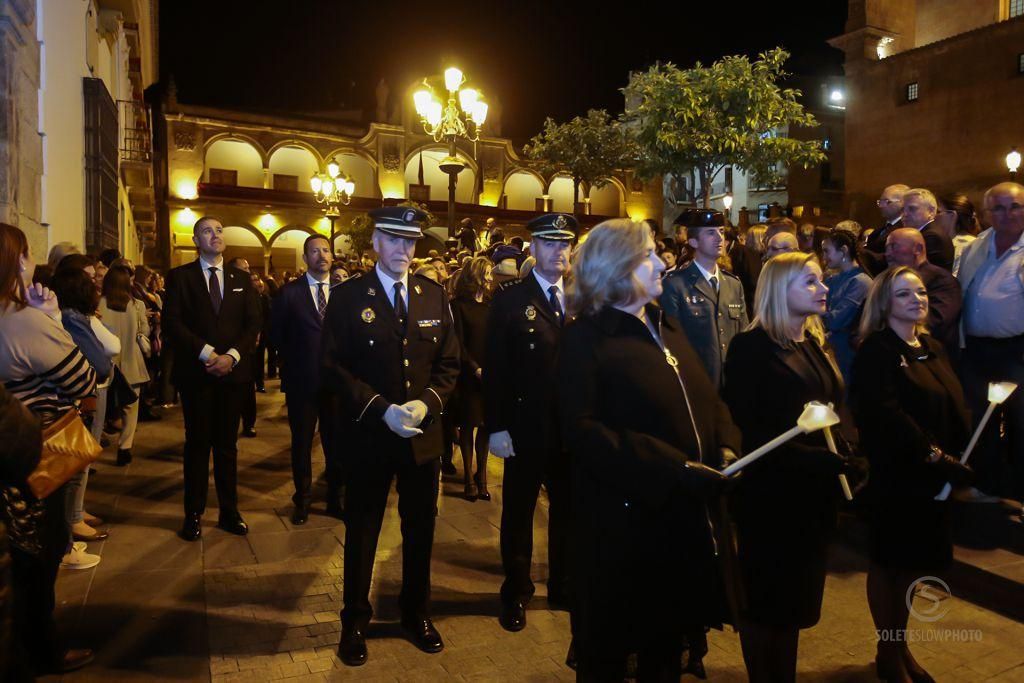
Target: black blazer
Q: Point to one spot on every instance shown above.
(521, 351)
(295, 331)
(904, 400)
(189, 323)
(872, 254)
(945, 302)
(642, 544)
(372, 361)
(938, 246)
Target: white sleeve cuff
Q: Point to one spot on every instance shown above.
(234, 354)
(205, 354)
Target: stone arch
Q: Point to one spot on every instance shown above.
(288, 228)
(293, 160)
(252, 230)
(241, 137)
(236, 154)
(465, 190)
(521, 189)
(561, 192)
(613, 191)
(353, 151)
(359, 166)
(292, 142)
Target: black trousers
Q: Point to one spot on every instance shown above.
(998, 459)
(259, 364)
(212, 412)
(305, 411)
(521, 484)
(366, 497)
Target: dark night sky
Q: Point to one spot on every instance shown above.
(555, 58)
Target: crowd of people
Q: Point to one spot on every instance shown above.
(621, 371)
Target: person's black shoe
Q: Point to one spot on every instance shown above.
(260, 389)
(249, 432)
(192, 529)
(124, 456)
(233, 524)
(336, 510)
(300, 515)
(75, 659)
(513, 616)
(423, 634)
(352, 648)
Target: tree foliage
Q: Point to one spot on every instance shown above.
(589, 149)
(726, 114)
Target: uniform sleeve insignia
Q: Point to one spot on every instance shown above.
(371, 292)
(531, 313)
(368, 315)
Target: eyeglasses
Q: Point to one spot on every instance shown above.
(886, 202)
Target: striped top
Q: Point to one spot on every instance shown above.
(40, 364)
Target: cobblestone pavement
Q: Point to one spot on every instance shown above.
(265, 607)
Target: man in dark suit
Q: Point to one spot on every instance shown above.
(390, 350)
(707, 301)
(919, 208)
(746, 265)
(890, 205)
(296, 328)
(906, 247)
(211, 319)
(524, 327)
(249, 401)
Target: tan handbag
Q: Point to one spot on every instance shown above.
(68, 448)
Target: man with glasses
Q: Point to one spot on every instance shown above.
(890, 205)
(992, 277)
(919, 210)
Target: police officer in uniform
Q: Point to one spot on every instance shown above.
(706, 300)
(523, 331)
(390, 350)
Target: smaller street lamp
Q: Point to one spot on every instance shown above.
(332, 188)
(727, 203)
(1013, 162)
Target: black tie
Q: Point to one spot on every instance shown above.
(399, 304)
(321, 299)
(714, 283)
(215, 296)
(555, 306)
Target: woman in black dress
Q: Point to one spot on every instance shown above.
(469, 309)
(644, 429)
(786, 503)
(910, 411)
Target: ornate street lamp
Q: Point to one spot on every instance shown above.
(333, 189)
(727, 203)
(462, 116)
(1013, 162)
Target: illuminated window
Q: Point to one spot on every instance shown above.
(912, 91)
(1016, 8)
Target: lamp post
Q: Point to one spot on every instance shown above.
(1013, 162)
(461, 116)
(332, 188)
(727, 203)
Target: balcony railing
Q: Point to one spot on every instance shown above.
(136, 139)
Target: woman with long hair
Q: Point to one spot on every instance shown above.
(911, 416)
(469, 309)
(41, 366)
(847, 289)
(646, 434)
(955, 214)
(125, 316)
(786, 504)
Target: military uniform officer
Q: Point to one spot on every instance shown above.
(706, 300)
(390, 351)
(523, 331)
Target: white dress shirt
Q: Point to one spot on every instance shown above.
(545, 286)
(708, 275)
(207, 351)
(389, 286)
(313, 282)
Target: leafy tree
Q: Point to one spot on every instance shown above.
(361, 229)
(589, 149)
(726, 114)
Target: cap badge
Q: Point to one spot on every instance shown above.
(416, 288)
(560, 222)
(368, 315)
(409, 216)
(531, 313)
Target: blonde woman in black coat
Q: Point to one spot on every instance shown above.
(646, 433)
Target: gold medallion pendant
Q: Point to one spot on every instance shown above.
(531, 313)
(368, 315)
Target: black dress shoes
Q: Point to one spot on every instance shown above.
(192, 529)
(513, 616)
(352, 648)
(249, 432)
(423, 634)
(300, 515)
(233, 524)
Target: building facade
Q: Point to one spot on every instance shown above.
(75, 139)
(934, 93)
(252, 170)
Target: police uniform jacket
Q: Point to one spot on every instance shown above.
(372, 361)
(709, 319)
(523, 334)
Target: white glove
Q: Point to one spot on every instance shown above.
(416, 412)
(396, 417)
(500, 444)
